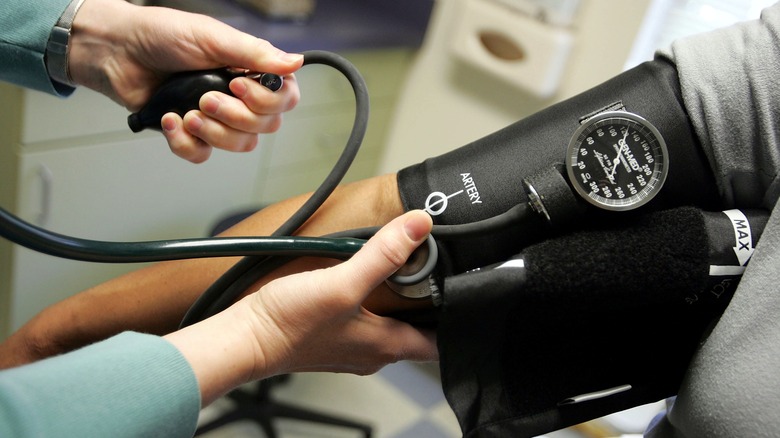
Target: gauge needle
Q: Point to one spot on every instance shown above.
(616, 161)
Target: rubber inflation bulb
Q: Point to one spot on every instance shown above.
(182, 92)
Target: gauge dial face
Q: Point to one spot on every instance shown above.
(617, 161)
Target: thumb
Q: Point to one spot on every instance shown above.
(245, 51)
(385, 253)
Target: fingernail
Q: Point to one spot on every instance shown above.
(238, 87)
(168, 124)
(415, 228)
(290, 57)
(250, 146)
(210, 104)
(194, 123)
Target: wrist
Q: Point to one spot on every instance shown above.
(253, 337)
(222, 352)
(58, 46)
(93, 40)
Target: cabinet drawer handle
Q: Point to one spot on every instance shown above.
(47, 178)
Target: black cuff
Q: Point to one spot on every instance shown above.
(484, 178)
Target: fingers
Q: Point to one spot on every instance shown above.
(246, 51)
(224, 121)
(267, 58)
(254, 109)
(317, 319)
(230, 123)
(217, 134)
(408, 342)
(261, 100)
(184, 136)
(384, 253)
(182, 143)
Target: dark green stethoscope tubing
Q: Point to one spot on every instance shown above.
(86, 250)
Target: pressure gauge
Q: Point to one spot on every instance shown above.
(617, 161)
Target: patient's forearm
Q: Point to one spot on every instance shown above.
(154, 299)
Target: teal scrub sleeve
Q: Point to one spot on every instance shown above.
(130, 385)
(25, 26)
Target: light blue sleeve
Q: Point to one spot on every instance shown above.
(25, 26)
(130, 385)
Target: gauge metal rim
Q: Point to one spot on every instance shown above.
(574, 146)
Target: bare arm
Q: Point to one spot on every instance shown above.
(154, 299)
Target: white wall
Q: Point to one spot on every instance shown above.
(447, 103)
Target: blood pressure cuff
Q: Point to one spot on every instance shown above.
(507, 360)
(484, 178)
(579, 326)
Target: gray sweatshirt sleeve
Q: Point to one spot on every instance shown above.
(730, 85)
(731, 90)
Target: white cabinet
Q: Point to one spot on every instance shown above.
(99, 181)
(73, 167)
(124, 190)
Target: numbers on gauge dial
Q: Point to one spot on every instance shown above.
(617, 161)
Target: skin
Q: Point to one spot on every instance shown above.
(154, 299)
(125, 51)
(311, 321)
